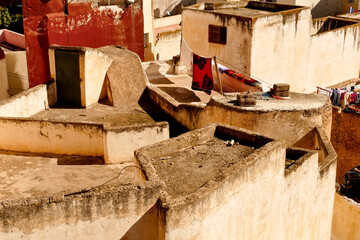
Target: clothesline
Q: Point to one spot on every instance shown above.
(342, 97)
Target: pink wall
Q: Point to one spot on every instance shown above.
(13, 38)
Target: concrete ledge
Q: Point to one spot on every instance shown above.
(108, 212)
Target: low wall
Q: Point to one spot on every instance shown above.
(27, 103)
(258, 201)
(120, 143)
(255, 198)
(16, 66)
(26, 135)
(345, 137)
(106, 213)
(346, 224)
(289, 124)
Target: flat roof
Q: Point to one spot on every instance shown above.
(187, 170)
(24, 176)
(97, 113)
(247, 9)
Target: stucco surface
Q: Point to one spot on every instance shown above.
(276, 118)
(275, 46)
(126, 76)
(255, 197)
(16, 66)
(346, 217)
(28, 176)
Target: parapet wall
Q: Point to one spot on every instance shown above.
(256, 198)
(22, 133)
(289, 123)
(105, 213)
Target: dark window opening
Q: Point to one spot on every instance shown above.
(217, 34)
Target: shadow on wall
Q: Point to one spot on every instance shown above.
(326, 8)
(149, 227)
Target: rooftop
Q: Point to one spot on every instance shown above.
(194, 166)
(97, 113)
(28, 176)
(247, 9)
(199, 157)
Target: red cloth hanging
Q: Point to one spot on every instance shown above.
(202, 75)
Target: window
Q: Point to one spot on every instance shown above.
(351, 1)
(217, 34)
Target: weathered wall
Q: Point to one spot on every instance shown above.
(339, 64)
(345, 139)
(277, 123)
(167, 37)
(96, 66)
(26, 103)
(26, 135)
(258, 200)
(195, 27)
(279, 48)
(16, 66)
(167, 45)
(346, 224)
(148, 12)
(106, 213)
(120, 143)
(4, 85)
(46, 24)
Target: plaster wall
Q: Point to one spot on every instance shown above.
(236, 52)
(4, 85)
(230, 204)
(286, 205)
(105, 214)
(96, 66)
(26, 135)
(167, 45)
(16, 66)
(26, 103)
(326, 68)
(281, 41)
(345, 223)
(274, 123)
(121, 143)
(148, 13)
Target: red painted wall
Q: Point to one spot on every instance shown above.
(45, 25)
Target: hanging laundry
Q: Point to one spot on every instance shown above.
(186, 56)
(202, 75)
(335, 97)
